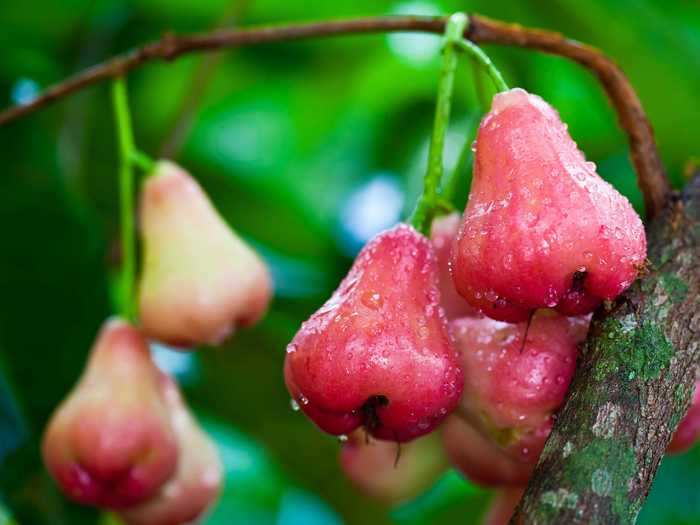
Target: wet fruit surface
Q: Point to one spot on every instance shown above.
(378, 354)
(541, 228)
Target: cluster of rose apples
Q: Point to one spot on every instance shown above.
(477, 329)
(124, 439)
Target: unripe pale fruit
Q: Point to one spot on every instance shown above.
(378, 353)
(442, 234)
(111, 443)
(688, 431)
(511, 387)
(484, 462)
(502, 506)
(541, 228)
(196, 484)
(200, 280)
(391, 474)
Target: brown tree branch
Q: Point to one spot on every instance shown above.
(632, 386)
(651, 176)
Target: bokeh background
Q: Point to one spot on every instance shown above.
(307, 149)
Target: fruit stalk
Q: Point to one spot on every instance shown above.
(126, 198)
(423, 214)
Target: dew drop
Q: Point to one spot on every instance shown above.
(295, 406)
(343, 438)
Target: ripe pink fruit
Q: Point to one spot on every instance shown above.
(442, 234)
(373, 468)
(509, 394)
(502, 506)
(378, 354)
(511, 387)
(688, 430)
(200, 280)
(484, 462)
(541, 228)
(196, 484)
(110, 443)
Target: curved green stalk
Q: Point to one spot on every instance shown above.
(481, 94)
(425, 207)
(464, 160)
(484, 61)
(126, 198)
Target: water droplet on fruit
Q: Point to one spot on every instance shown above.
(372, 299)
(508, 261)
(303, 400)
(295, 406)
(342, 438)
(291, 348)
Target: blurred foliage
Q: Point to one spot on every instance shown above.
(302, 146)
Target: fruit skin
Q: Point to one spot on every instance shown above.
(377, 354)
(195, 485)
(200, 280)
(688, 431)
(505, 414)
(511, 386)
(442, 234)
(502, 506)
(383, 471)
(110, 442)
(481, 460)
(541, 228)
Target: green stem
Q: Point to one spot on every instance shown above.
(143, 161)
(481, 94)
(464, 161)
(484, 61)
(425, 207)
(126, 198)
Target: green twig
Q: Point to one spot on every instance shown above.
(463, 164)
(481, 94)
(126, 198)
(425, 207)
(143, 161)
(484, 62)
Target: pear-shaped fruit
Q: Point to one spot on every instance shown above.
(483, 461)
(378, 353)
(541, 228)
(111, 443)
(196, 484)
(442, 234)
(511, 385)
(200, 280)
(389, 472)
(502, 506)
(688, 431)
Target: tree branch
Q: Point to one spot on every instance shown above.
(650, 172)
(631, 389)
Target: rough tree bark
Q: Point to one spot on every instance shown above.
(632, 387)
